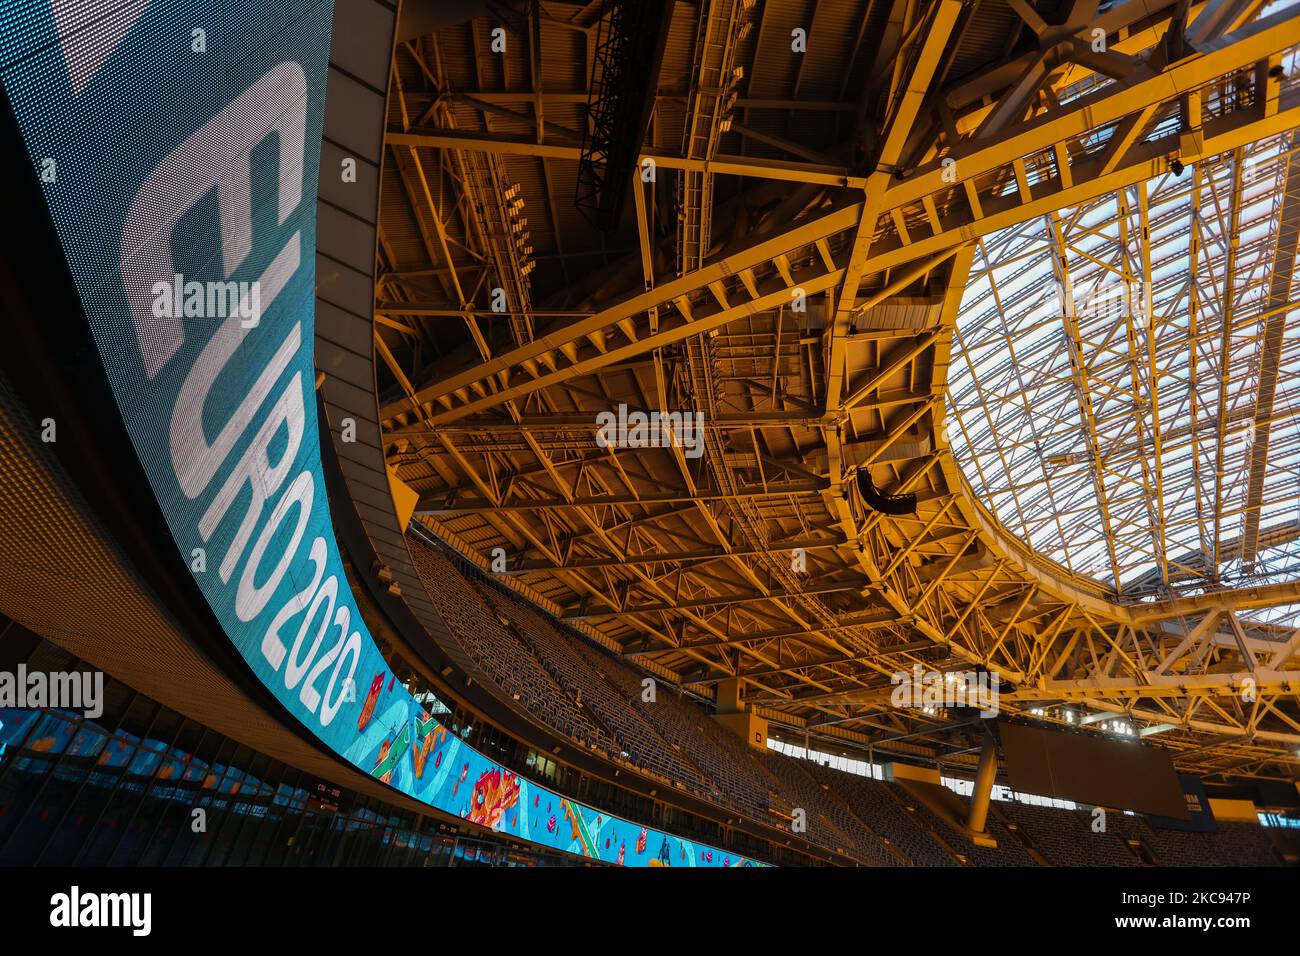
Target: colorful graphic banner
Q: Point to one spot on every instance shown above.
(178, 145)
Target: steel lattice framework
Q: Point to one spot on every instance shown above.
(851, 258)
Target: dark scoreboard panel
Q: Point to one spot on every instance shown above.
(1091, 769)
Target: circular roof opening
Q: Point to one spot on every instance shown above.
(1125, 381)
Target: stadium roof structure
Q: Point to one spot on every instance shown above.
(1030, 262)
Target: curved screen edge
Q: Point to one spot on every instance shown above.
(178, 146)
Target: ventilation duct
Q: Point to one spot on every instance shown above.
(896, 505)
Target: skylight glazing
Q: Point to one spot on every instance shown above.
(1125, 382)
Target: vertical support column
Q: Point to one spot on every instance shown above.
(984, 777)
(730, 696)
(730, 700)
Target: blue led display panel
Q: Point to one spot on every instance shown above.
(178, 146)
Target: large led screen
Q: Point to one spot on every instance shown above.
(178, 146)
(1092, 769)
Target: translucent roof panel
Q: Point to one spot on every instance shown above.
(1125, 383)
